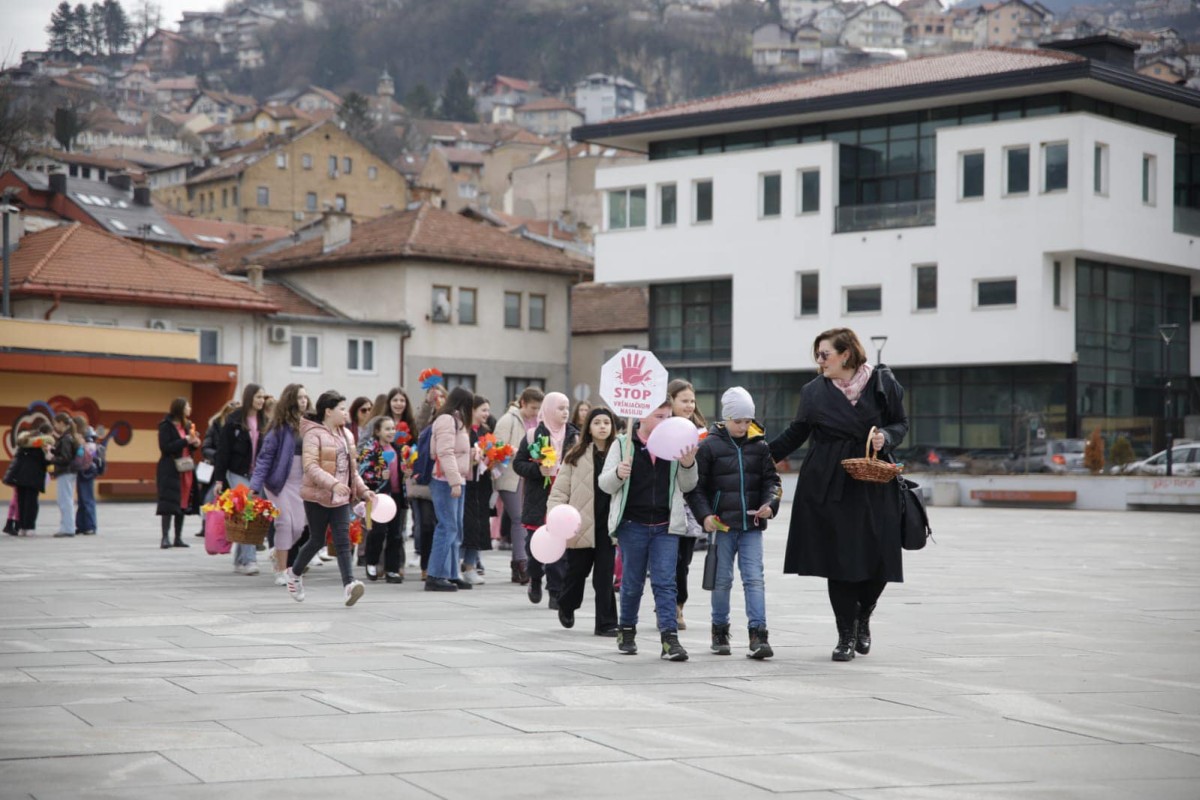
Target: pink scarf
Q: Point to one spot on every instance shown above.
(549, 415)
(853, 388)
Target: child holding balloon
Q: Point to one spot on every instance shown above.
(376, 462)
(647, 476)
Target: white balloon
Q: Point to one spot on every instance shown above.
(671, 437)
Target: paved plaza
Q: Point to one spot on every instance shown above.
(1030, 654)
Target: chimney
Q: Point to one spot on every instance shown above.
(335, 227)
(58, 183)
(141, 195)
(254, 274)
(1107, 49)
(120, 181)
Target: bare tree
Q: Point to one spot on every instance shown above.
(147, 18)
(22, 126)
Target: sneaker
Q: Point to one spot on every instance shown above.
(414, 561)
(86, 533)
(625, 640)
(281, 578)
(759, 649)
(62, 535)
(325, 555)
(473, 577)
(393, 577)
(462, 584)
(295, 585)
(246, 569)
(439, 585)
(354, 590)
(372, 572)
(672, 650)
(720, 640)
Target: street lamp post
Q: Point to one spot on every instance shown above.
(6, 208)
(1167, 331)
(879, 342)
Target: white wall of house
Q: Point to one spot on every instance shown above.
(994, 236)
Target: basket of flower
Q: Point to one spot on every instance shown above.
(247, 517)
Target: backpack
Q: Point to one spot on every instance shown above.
(423, 467)
(84, 456)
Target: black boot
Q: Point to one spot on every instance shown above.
(535, 592)
(625, 639)
(759, 649)
(672, 650)
(720, 640)
(516, 573)
(862, 635)
(179, 542)
(165, 544)
(553, 602)
(845, 646)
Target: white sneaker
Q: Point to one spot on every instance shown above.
(325, 555)
(354, 590)
(281, 578)
(245, 569)
(295, 585)
(414, 560)
(472, 577)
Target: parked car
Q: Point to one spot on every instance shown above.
(1058, 456)
(932, 458)
(987, 461)
(1184, 455)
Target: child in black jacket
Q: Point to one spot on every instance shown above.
(737, 492)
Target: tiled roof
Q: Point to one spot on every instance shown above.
(432, 234)
(957, 66)
(291, 302)
(461, 155)
(78, 262)
(549, 104)
(516, 84)
(604, 308)
(212, 234)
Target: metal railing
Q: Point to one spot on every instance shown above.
(881, 216)
(1187, 220)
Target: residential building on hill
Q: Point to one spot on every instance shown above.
(550, 116)
(1014, 23)
(289, 181)
(889, 199)
(876, 26)
(601, 97)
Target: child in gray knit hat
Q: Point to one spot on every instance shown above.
(737, 491)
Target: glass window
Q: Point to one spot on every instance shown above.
(537, 312)
(440, 308)
(454, 380)
(1057, 280)
(972, 175)
(666, 204)
(1100, 169)
(1149, 179)
(810, 191)
(306, 161)
(692, 321)
(807, 294)
(305, 351)
(333, 164)
(864, 299)
(210, 341)
(339, 202)
(1016, 168)
(264, 196)
(347, 165)
(703, 201)
(926, 285)
(1054, 161)
(512, 309)
(626, 209)
(466, 306)
(310, 201)
(360, 355)
(770, 194)
(281, 160)
(514, 386)
(996, 292)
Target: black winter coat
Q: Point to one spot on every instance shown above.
(735, 479)
(166, 478)
(842, 528)
(537, 491)
(30, 469)
(234, 454)
(477, 511)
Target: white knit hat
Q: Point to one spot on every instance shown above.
(737, 403)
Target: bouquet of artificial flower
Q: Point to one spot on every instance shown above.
(543, 452)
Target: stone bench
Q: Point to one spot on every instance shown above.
(1024, 497)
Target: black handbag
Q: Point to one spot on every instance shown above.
(914, 521)
(710, 564)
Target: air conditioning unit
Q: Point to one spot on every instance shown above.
(280, 334)
(298, 216)
(158, 325)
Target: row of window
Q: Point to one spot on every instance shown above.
(1015, 169)
(989, 292)
(468, 305)
(627, 207)
(306, 354)
(332, 163)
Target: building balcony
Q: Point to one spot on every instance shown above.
(1187, 220)
(881, 216)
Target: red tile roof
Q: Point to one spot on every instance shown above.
(290, 302)
(935, 69)
(549, 104)
(432, 234)
(78, 262)
(213, 234)
(603, 308)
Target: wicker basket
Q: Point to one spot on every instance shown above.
(238, 531)
(871, 469)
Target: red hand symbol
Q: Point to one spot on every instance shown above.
(632, 373)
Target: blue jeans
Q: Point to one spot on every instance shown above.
(642, 547)
(448, 535)
(85, 514)
(748, 547)
(243, 554)
(66, 502)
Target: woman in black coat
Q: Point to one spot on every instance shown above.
(842, 529)
(176, 439)
(477, 509)
(34, 452)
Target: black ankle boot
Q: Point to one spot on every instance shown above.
(862, 634)
(759, 647)
(845, 646)
(165, 544)
(720, 640)
(626, 639)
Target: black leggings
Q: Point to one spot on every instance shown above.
(27, 508)
(599, 562)
(424, 522)
(166, 524)
(687, 546)
(847, 597)
(320, 518)
(388, 538)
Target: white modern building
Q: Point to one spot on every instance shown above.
(1018, 225)
(601, 97)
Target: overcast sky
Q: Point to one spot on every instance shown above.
(23, 22)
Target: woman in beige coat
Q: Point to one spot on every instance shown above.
(591, 550)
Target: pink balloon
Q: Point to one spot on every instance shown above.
(563, 522)
(383, 509)
(545, 547)
(671, 437)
